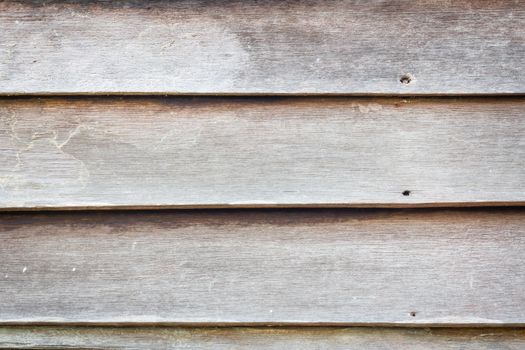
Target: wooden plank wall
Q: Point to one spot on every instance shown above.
(227, 199)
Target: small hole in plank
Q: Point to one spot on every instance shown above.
(406, 79)
(413, 314)
(406, 193)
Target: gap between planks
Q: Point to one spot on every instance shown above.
(235, 206)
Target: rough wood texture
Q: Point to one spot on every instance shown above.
(261, 338)
(422, 267)
(184, 152)
(262, 47)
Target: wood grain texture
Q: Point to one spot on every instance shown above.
(261, 338)
(315, 267)
(206, 152)
(262, 47)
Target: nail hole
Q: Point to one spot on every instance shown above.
(406, 79)
(406, 193)
(413, 314)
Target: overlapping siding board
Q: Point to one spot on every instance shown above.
(262, 47)
(224, 152)
(423, 267)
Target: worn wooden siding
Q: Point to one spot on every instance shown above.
(262, 47)
(261, 338)
(425, 267)
(117, 273)
(165, 152)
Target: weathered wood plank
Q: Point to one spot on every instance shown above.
(261, 338)
(183, 152)
(386, 267)
(262, 47)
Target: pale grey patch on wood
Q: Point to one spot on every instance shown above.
(261, 338)
(181, 152)
(386, 267)
(271, 47)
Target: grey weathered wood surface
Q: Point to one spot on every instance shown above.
(331, 266)
(184, 152)
(261, 338)
(263, 47)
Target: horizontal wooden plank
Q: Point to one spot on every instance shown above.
(333, 267)
(261, 338)
(213, 152)
(262, 47)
